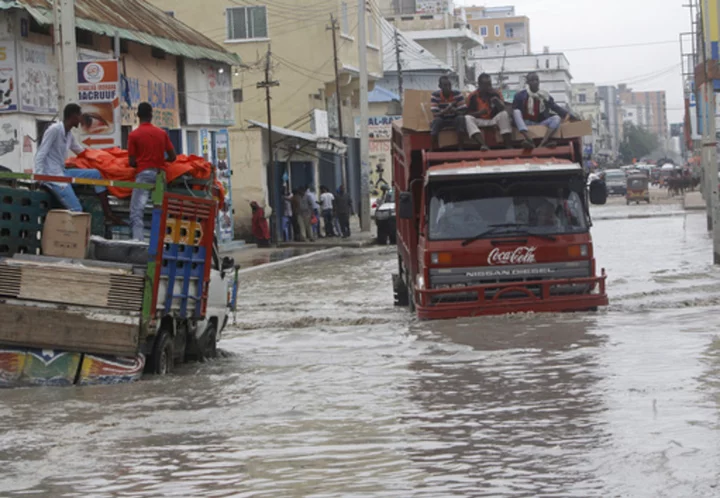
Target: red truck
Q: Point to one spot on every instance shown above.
(487, 233)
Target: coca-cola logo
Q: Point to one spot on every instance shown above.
(521, 256)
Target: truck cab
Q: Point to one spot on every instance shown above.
(493, 232)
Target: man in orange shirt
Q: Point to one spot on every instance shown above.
(486, 109)
(147, 146)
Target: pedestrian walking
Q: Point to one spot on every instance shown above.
(315, 210)
(287, 221)
(326, 204)
(260, 228)
(147, 146)
(343, 210)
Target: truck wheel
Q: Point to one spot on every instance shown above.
(381, 235)
(411, 297)
(162, 359)
(210, 342)
(400, 291)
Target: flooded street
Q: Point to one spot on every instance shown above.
(328, 390)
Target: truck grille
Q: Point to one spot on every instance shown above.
(523, 275)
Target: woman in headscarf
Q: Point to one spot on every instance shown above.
(260, 228)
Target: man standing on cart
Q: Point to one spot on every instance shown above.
(147, 146)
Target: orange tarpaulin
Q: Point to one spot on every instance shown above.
(113, 164)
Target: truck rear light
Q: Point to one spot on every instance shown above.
(580, 251)
(420, 282)
(441, 258)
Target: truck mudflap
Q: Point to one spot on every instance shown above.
(542, 296)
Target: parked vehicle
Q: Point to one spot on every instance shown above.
(385, 218)
(637, 188)
(494, 232)
(616, 182)
(126, 308)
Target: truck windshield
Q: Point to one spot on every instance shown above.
(463, 211)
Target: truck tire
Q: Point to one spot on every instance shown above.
(400, 291)
(210, 342)
(162, 359)
(381, 235)
(411, 297)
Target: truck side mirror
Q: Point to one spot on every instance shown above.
(598, 192)
(405, 206)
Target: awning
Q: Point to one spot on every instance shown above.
(163, 26)
(324, 144)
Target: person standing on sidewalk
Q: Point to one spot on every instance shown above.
(260, 228)
(343, 210)
(326, 203)
(147, 146)
(315, 210)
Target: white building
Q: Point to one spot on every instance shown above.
(552, 68)
(586, 103)
(421, 70)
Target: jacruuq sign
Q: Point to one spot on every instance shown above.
(521, 256)
(99, 97)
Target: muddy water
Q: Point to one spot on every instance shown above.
(329, 391)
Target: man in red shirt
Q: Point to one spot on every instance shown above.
(147, 146)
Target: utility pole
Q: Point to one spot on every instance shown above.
(57, 50)
(69, 52)
(334, 27)
(710, 156)
(398, 63)
(364, 114)
(274, 188)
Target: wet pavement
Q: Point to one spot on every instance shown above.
(327, 390)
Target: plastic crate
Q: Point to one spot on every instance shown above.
(22, 214)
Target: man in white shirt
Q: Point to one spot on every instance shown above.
(50, 160)
(326, 204)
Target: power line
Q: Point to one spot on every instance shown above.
(627, 45)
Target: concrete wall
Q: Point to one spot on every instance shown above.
(249, 181)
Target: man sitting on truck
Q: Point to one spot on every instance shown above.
(448, 107)
(486, 109)
(533, 107)
(50, 160)
(147, 146)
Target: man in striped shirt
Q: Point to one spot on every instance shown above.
(448, 108)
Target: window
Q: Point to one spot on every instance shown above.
(483, 31)
(582, 98)
(497, 30)
(237, 95)
(344, 23)
(192, 143)
(83, 37)
(247, 23)
(509, 33)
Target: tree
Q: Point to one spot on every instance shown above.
(637, 143)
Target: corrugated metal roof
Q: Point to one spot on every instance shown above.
(380, 95)
(134, 20)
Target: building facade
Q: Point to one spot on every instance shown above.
(586, 102)
(502, 29)
(646, 109)
(306, 98)
(509, 73)
(612, 116)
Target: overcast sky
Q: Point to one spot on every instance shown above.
(571, 25)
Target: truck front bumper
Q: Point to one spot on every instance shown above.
(548, 296)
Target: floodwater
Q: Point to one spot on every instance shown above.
(327, 390)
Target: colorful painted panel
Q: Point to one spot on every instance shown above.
(12, 363)
(50, 368)
(98, 369)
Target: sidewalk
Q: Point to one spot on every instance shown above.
(693, 201)
(358, 239)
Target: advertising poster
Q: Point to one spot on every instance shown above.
(223, 174)
(205, 144)
(99, 97)
(8, 77)
(38, 77)
(380, 149)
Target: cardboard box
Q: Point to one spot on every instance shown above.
(576, 129)
(417, 115)
(534, 132)
(66, 234)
